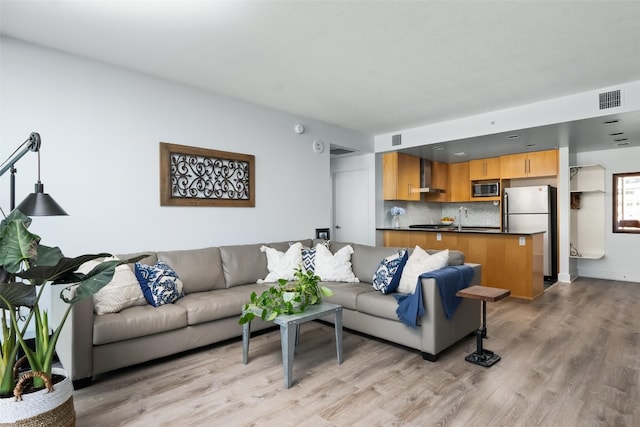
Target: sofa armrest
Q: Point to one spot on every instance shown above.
(438, 332)
(75, 344)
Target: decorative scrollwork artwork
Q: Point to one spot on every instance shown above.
(192, 176)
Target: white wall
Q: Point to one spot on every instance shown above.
(101, 126)
(622, 250)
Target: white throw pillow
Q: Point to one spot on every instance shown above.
(121, 292)
(334, 267)
(282, 265)
(420, 262)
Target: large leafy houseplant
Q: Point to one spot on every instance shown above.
(26, 267)
(286, 297)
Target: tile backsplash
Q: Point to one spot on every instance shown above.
(480, 214)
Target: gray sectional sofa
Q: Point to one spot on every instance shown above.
(217, 281)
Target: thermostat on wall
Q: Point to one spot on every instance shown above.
(318, 146)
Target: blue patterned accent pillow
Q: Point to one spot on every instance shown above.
(159, 283)
(387, 277)
(309, 256)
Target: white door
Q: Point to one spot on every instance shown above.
(351, 206)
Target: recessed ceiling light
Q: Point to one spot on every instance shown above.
(621, 139)
(514, 136)
(610, 122)
(616, 134)
(437, 147)
(619, 144)
(460, 154)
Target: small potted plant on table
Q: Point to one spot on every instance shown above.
(286, 297)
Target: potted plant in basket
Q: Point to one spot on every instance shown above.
(286, 297)
(26, 267)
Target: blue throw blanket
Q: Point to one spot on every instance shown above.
(449, 280)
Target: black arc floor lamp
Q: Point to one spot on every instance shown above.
(37, 203)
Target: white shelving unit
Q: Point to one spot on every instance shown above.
(587, 212)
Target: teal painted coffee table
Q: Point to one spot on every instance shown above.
(290, 333)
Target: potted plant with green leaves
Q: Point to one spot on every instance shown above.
(26, 268)
(287, 297)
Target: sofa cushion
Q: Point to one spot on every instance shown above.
(455, 257)
(283, 246)
(377, 304)
(282, 265)
(139, 321)
(334, 267)
(243, 264)
(366, 259)
(336, 246)
(420, 262)
(199, 269)
(346, 294)
(150, 259)
(204, 307)
(160, 284)
(387, 276)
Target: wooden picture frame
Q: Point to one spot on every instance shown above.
(192, 176)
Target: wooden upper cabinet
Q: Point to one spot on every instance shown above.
(484, 169)
(528, 165)
(439, 180)
(543, 163)
(400, 177)
(459, 184)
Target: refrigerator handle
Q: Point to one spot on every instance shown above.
(505, 213)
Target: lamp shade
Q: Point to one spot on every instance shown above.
(40, 203)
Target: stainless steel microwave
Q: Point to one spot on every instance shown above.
(486, 189)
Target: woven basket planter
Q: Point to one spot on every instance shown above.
(41, 408)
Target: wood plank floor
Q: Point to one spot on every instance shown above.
(570, 358)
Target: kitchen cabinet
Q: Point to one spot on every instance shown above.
(440, 180)
(509, 260)
(483, 169)
(400, 177)
(398, 239)
(459, 184)
(529, 165)
(587, 233)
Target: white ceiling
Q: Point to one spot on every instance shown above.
(371, 66)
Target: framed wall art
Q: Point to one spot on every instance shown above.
(192, 176)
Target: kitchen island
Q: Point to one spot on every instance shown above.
(511, 261)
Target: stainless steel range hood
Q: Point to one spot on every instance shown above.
(425, 178)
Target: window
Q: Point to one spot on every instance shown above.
(626, 202)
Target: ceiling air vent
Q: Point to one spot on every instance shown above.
(396, 140)
(338, 151)
(609, 99)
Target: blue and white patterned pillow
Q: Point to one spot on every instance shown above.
(387, 277)
(159, 283)
(309, 256)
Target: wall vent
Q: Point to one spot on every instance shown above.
(609, 99)
(338, 151)
(396, 140)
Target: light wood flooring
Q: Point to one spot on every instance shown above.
(569, 358)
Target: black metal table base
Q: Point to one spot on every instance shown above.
(486, 358)
(482, 356)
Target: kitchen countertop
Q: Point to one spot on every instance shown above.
(453, 229)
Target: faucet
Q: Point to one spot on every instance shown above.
(466, 214)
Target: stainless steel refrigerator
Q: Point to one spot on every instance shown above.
(530, 209)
